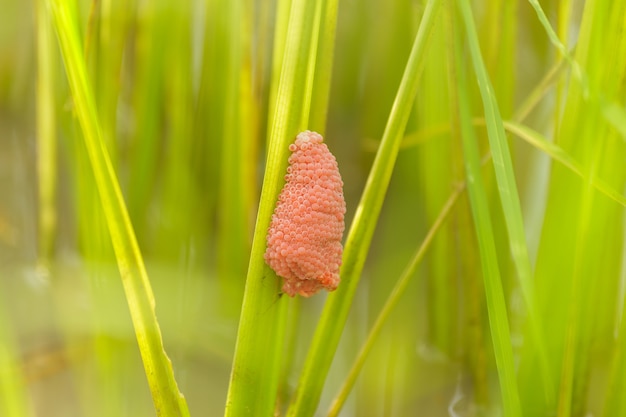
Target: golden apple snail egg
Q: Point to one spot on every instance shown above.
(304, 237)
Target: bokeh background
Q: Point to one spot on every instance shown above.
(163, 84)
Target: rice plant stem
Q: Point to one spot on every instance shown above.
(256, 367)
(496, 306)
(509, 197)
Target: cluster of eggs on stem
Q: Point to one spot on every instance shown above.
(304, 238)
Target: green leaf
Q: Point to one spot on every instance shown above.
(496, 306)
(168, 401)
(256, 366)
(537, 140)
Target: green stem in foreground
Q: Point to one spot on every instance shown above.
(256, 365)
(168, 401)
(335, 313)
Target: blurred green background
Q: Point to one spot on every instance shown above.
(191, 168)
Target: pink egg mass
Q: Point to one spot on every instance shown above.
(304, 238)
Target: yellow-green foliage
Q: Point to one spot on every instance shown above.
(143, 145)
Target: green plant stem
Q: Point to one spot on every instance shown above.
(256, 366)
(554, 39)
(496, 306)
(557, 153)
(612, 112)
(509, 198)
(502, 159)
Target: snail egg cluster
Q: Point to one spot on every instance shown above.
(304, 238)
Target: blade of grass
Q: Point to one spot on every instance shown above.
(570, 333)
(93, 235)
(537, 140)
(502, 159)
(507, 188)
(256, 366)
(612, 112)
(165, 394)
(554, 39)
(105, 38)
(525, 108)
(338, 304)
(496, 306)
(615, 401)
(541, 89)
(475, 332)
(564, 26)
(391, 302)
(602, 58)
(500, 52)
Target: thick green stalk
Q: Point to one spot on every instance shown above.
(256, 365)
